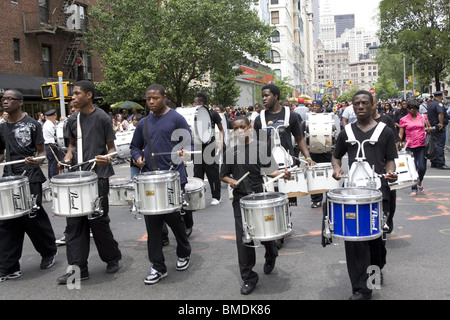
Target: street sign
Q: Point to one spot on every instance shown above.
(372, 90)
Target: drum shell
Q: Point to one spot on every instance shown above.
(405, 162)
(15, 197)
(320, 178)
(158, 192)
(195, 194)
(122, 143)
(199, 121)
(121, 191)
(74, 194)
(320, 132)
(296, 186)
(265, 216)
(355, 214)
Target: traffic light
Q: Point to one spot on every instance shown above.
(329, 84)
(350, 82)
(48, 91)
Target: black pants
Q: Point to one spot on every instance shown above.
(78, 234)
(211, 170)
(154, 225)
(12, 234)
(439, 135)
(247, 254)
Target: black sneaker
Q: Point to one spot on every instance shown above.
(48, 262)
(248, 287)
(68, 277)
(112, 267)
(269, 265)
(154, 276)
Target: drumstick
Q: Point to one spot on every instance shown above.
(174, 152)
(20, 161)
(92, 160)
(59, 162)
(279, 176)
(376, 176)
(242, 178)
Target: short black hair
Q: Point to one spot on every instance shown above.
(365, 92)
(273, 88)
(203, 98)
(157, 87)
(86, 86)
(246, 119)
(413, 104)
(17, 93)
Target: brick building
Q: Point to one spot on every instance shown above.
(38, 38)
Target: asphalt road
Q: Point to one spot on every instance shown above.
(417, 260)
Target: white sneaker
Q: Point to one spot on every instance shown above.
(182, 263)
(215, 202)
(154, 276)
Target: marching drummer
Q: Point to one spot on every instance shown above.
(248, 156)
(153, 134)
(361, 255)
(21, 137)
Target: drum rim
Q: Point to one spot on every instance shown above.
(9, 182)
(249, 201)
(83, 176)
(375, 196)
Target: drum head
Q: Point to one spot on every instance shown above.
(194, 184)
(119, 181)
(354, 195)
(203, 125)
(71, 177)
(157, 176)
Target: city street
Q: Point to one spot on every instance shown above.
(417, 260)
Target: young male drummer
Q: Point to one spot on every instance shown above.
(362, 254)
(248, 155)
(21, 138)
(165, 136)
(97, 140)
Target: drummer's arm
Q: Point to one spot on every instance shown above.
(301, 143)
(69, 154)
(391, 176)
(103, 160)
(337, 167)
(30, 161)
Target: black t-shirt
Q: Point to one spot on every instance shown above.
(376, 155)
(242, 159)
(97, 130)
(277, 119)
(23, 137)
(390, 124)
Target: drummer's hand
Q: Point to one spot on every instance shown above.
(310, 161)
(337, 174)
(140, 162)
(32, 162)
(103, 160)
(391, 176)
(67, 161)
(184, 155)
(287, 174)
(233, 183)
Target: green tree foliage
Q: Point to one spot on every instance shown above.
(174, 43)
(420, 29)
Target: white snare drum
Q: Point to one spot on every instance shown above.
(15, 197)
(296, 186)
(118, 191)
(123, 142)
(158, 192)
(60, 135)
(408, 176)
(320, 178)
(194, 194)
(265, 216)
(320, 132)
(75, 194)
(46, 192)
(200, 122)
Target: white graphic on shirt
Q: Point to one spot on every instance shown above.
(22, 133)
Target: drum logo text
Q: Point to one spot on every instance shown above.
(374, 219)
(73, 196)
(268, 218)
(17, 200)
(170, 196)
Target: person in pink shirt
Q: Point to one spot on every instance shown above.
(415, 125)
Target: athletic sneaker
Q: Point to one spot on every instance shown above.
(215, 202)
(182, 263)
(48, 262)
(154, 276)
(316, 204)
(14, 275)
(61, 241)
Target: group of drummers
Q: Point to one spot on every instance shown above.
(267, 166)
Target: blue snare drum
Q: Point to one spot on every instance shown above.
(355, 214)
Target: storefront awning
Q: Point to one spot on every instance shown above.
(30, 86)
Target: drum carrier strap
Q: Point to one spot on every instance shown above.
(287, 115)
(8, 155)
(373, 139)
(149, 145)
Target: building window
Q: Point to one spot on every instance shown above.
(276, 36)
(47, 61)
(275, 17)
(44, 15)
(273, 1)
(275, 56)
(277, 73)
(16, 45)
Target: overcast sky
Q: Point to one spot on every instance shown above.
(365, 11)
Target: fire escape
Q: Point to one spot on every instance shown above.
(68, 22)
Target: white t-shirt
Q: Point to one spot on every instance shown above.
(48, 131)
(349, 114)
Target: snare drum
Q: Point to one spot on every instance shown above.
(355, 214)
(118, 191)
(158, 192)
(123, 142)
(46, 192)
(408, 176)
(60, 135)
(15, 197)
(296, 186)
(194, 194)
(265, 216)
(320, 132)
(199, 121)
(75, 194)
(320, 178)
